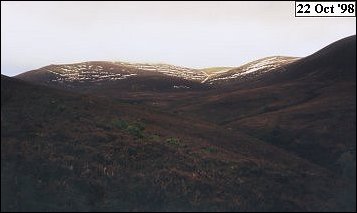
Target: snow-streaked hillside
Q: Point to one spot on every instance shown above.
(91, 72)
(170, 70)
(257, 67)
(86, 72)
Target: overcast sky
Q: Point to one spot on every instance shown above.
(193, 34)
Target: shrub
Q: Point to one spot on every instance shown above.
(136, 128)
(58, 107)
(250, 170)
(132, 151)
(210, 149)
(139, 125)
(347, 163)
(135, 131)
(155, 138)
(61, 107)
(121, 124)
(174, 141)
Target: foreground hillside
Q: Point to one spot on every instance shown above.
(62, 152)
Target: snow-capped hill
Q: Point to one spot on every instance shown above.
(112, 71)
(170, 70)
(254, 68)
(123, 76)
(87, 72)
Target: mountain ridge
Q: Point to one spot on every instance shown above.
(114, 68)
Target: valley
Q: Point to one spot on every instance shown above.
(275, 134)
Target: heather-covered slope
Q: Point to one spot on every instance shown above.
(68, 152)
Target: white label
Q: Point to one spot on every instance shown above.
(325, 9)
